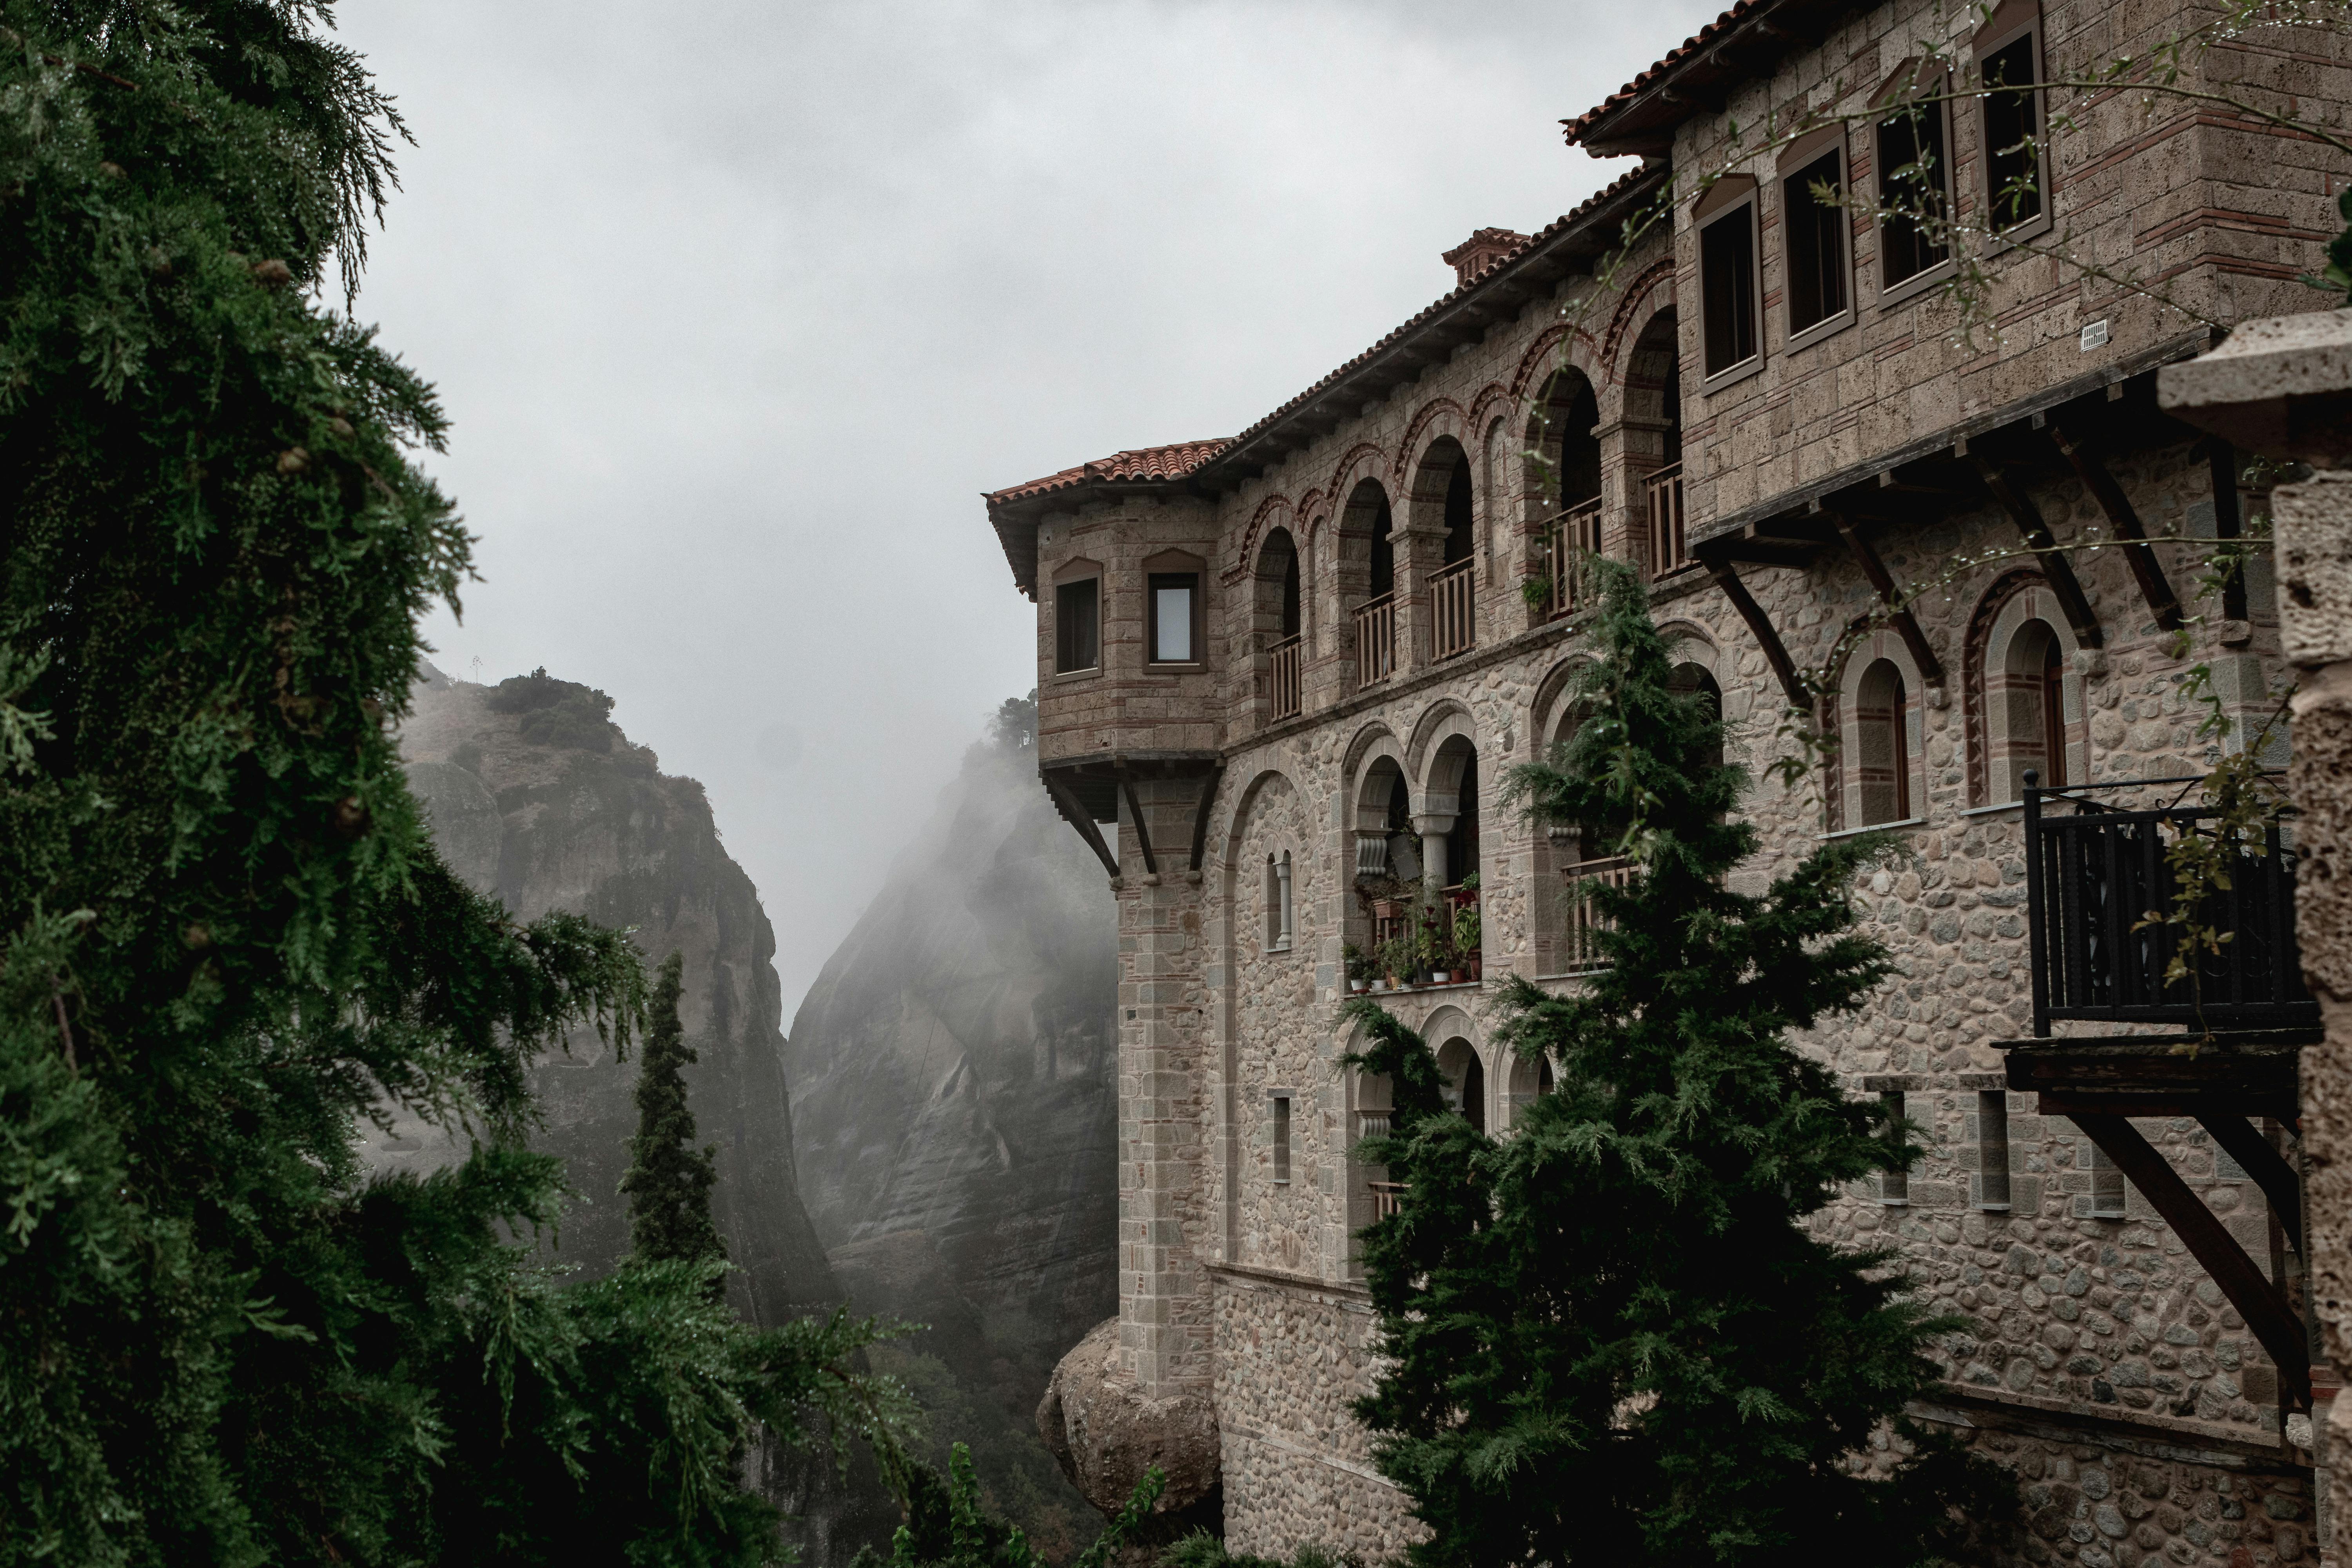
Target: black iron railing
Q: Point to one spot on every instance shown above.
(2094, 874)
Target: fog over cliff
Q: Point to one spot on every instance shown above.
(953, 1073)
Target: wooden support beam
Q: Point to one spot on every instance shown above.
(1905, 624)
(1759, 625)
(2259, 1302)
(1075, 812)
(1201, 811)
(2266, 1165)
(1142, 825)
(2054, 566)
(2147, 571)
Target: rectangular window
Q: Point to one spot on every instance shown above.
(1992, 1149)
(1914, 192)
(1816, 240)
(2106, 1185)
(1282, 1138)
(2012, 132)
(1175, 599)
(1077, 626)
(1893, 1187)
(1726, 265)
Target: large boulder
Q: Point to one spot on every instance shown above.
(1106, 1432)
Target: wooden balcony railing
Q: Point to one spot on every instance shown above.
(1583, 950)
(1387, 1198)
(2092, 876)
(1283, 665)
(1453, 610)
(1669, 546)
(1575, 538)
(1376, 640)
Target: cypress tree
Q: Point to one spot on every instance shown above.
(669, 1181)
(225, 942)
(1612, 1337)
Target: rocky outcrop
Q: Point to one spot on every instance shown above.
(1106, 1433)
(952, 1072)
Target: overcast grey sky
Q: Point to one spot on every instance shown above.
(739, 307)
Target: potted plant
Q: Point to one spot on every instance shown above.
(1359, 968)
(1432, 951)
(1396, 960)
(1466, 894)
(1467, 932)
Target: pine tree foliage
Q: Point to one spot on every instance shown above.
(1611, 1336)
(948, 1526)
(669, 1181)
(227, 939)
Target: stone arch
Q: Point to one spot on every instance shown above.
(1649, 411)
(1374, 773)
(1443, 496)
(1446, 716)
(1362, 460)
(2004, 717)
(1546, 355)
(1651, 291)
(1278, 602)
(1435, 421)
(1875, 710)
(1274, 512)
(1462, 1063)
(1564, 470)
(1524, 1082)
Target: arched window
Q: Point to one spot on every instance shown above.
(1653, 421)
(1452, 812)
(1882, 760)
(2032, 706)
(1460, 535)
(1699, 679)
(1277, 619)
(1368, 581)
(1466, 1080)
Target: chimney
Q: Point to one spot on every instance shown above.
(1480, 252)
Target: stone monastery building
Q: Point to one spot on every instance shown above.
(1283, 671)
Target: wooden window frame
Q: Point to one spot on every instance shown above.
(1070, 575)
(1176, 563)
(1902, 85)
(1796, 161)
(1727, 201)
(2014, 20)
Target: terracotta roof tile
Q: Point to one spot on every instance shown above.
(1699, 40)
(1142, 464)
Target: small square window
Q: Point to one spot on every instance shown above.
(1077, 626)
(1175, 616)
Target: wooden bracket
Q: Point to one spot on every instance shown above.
(1760, 625)
(1142, 825)
(2259, 1302)
(2055, 567)
(1905, 624)
(2265, 1164)
(1201, 811)
(1079, 818)
(2147, 571)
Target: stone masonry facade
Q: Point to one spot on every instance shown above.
(1239, 792)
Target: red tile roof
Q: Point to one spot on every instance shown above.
(1619, 124)
(1144, 464)
(1739, 12)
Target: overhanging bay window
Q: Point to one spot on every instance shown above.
(1176, 623)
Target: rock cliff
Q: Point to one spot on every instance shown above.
(953, 1071)
(536, 796)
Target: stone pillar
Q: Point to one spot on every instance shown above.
(1420, 554)
(2282, 388)
(1632, 448)
(1435, 822)
(1138, 1392)
(1282, 903)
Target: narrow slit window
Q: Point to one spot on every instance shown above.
(1992, 1149)
(1282, 1138)
(1914, 192)
(1893, 1187)
(2012, 134)
(1077, 626)
(1726, 261)
(1175, 614)
(1816, 241)
(2106, 1185)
